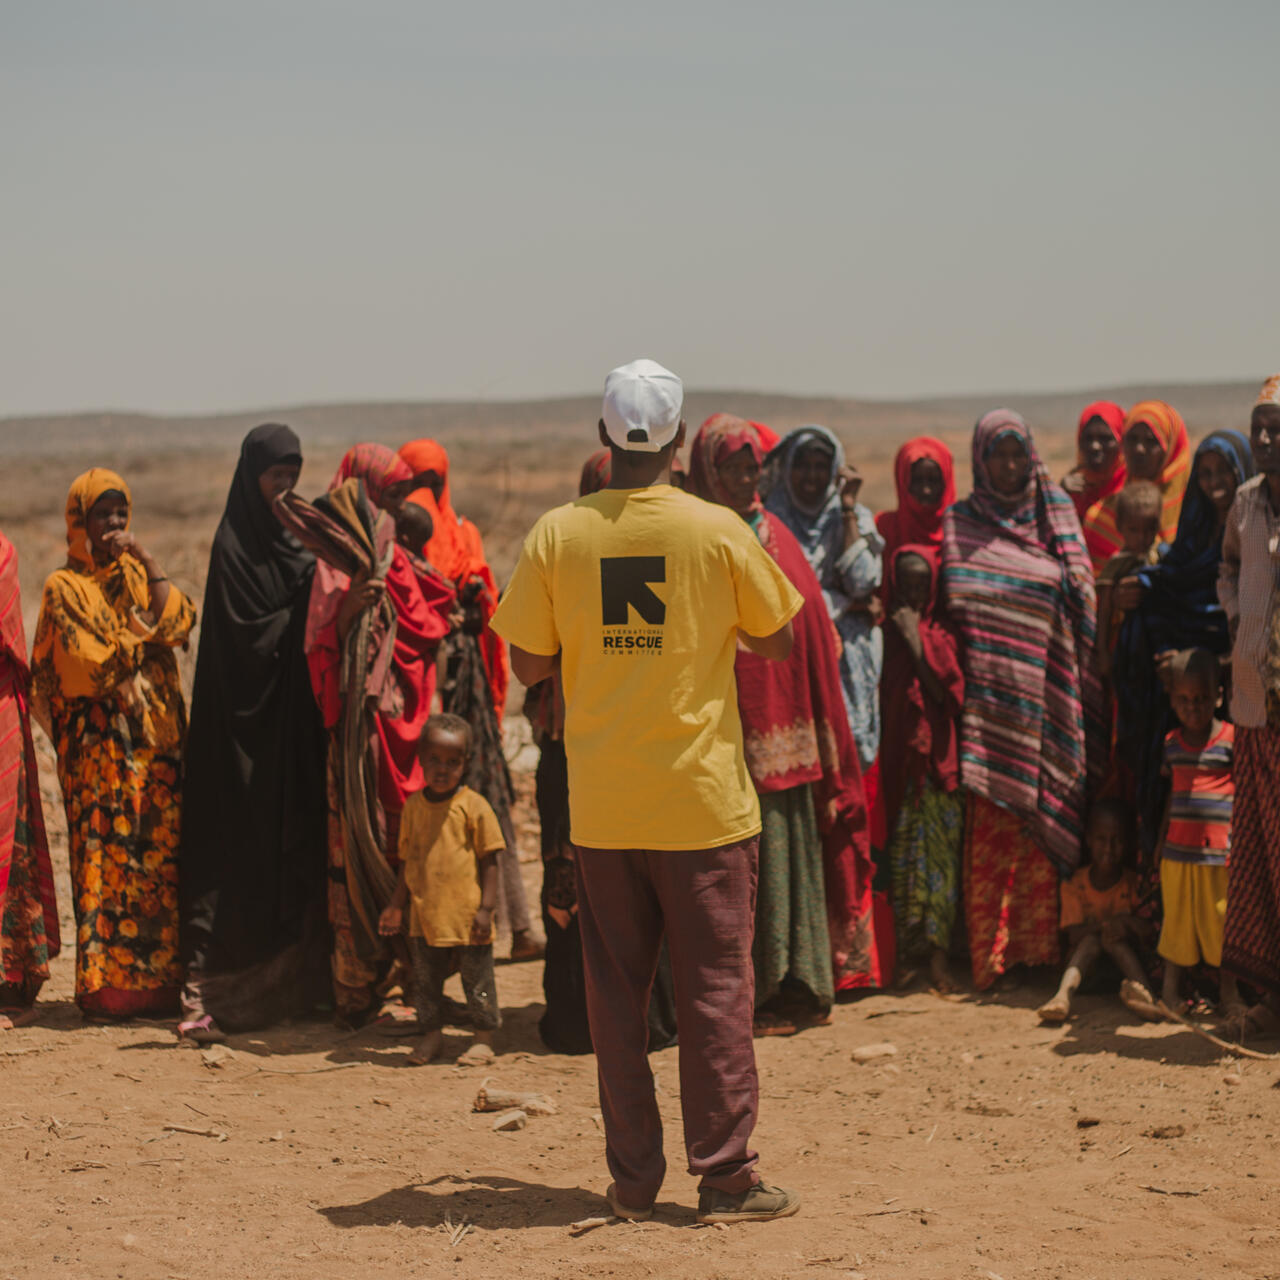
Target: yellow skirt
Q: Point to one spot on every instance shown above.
(1195, 911)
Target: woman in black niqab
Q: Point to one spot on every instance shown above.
(252, 865)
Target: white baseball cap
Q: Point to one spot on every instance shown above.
(642, 404)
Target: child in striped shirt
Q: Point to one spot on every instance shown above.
(1196, 835)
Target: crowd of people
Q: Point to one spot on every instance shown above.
(1036, 724)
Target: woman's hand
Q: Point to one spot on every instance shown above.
(118, 541)
(1164, 668)
(390, 921)
(363, 594)
(850, 486)
(562, 918)
(1074, 482)
(1128, 593)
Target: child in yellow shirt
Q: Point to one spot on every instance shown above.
(449, 842)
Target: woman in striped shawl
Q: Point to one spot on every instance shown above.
(1017, 584)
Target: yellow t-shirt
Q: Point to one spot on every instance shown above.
(643, 592)
(441, 844)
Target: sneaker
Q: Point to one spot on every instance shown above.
(760, 1203)
(620, 1210)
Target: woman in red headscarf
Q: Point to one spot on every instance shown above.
(401, 683)
(1156, 447)
(924, 474)
(1100, 469)
(814, 932)
(476, 673)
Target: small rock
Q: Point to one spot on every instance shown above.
(1166, 1131)
(1232, 1078)
(871, 1052)
(1087, 1122)
(510, 1121)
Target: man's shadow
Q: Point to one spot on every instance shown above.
(487, 1202)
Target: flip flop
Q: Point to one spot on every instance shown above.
(773, 1024)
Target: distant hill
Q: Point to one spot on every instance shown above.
(1204, 405)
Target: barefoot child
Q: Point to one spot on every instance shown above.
(449, 841)
(1098, 905)
(921, 696)
(1196, 833)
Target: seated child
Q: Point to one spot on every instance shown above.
(1138, 509)
(921, 696)
(1196, 834)
(1098, 905)
(449, 841)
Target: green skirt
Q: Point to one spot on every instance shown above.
(792, 948)
(924, 859)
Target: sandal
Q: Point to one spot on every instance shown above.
(773, 1024)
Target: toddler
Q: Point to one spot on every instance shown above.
(449, 842)
(1098, 905)
(414, 527)
(1196, 833)
(1138, 508)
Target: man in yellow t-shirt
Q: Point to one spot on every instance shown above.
(641, 594)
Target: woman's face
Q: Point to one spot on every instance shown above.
(429, 480)
(811, 474)
(393, 495)
(739, 475)
(1098, 447)
(925, 483)
(1143, 453)
(1008, 466)
(1217, 481)
(278, 479)
(110, 514)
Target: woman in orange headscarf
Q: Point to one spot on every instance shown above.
(1156, 448)
(104, 673)
(476, 673)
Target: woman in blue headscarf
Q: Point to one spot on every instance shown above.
(1177, 608)
(810, 489)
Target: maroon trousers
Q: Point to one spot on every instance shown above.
(705, 902)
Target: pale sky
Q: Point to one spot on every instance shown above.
(270, 202)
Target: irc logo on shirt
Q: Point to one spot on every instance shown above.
(624, 589)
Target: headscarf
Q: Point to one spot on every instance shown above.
(1270, 393)
(87, 489)
(918, 736)
(1179, 610)
(1099, 484)
(597, 471)
(795, 727)
(1101, 533)
(253, 835)
(1017, 584)
(376, 465)
(913, 522)
(452, 549)
(456, 551)
(718, 439)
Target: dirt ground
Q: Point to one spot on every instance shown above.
(988, 1146)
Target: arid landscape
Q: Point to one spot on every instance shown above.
(984, 1146)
